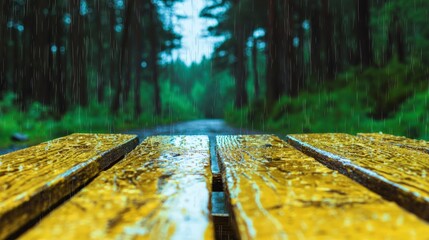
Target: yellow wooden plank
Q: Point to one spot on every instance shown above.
(277, 192)
(399, 141)
(35, 178)
(396, 173)
(161, 190)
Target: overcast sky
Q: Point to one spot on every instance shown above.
(192, 29)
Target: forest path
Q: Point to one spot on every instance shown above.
(210, 127)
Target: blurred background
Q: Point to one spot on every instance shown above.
(294, 66)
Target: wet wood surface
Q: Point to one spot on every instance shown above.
(35, 178)
(399, 141)
(396, 173)
(277, 192)
(161, 190)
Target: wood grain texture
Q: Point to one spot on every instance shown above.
(161, 190)
(35, 178)
(399, 141)
(277, 192)
(398, 174)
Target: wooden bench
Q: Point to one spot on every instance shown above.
(396, 172)
(34, 179)
(277, 192)
(101, 186)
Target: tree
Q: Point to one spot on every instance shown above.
(316, 40)
(39, 71)
(100, 50)
(365, 54)
(154, 50)
(237, 24)
(291, 60)
(113, 46)
(60, 79)
(395, 39)
(328, 40)
(77, 53)
(139, 59)
(4, 12)
(119, 98)
(255, 66)
(274, 88)
(240, 72)
(139, 30)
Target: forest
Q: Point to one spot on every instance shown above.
(283, 66)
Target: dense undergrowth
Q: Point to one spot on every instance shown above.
(39, 124)
(392, 99)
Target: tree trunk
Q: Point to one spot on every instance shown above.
(17, 61)
(118, 99)
(395, 39)
(50, 68)
(38, 65)
(291, 78)
(364, 33)
(128, 70)
(255, 67)
(128, 59)
(341, 57)
(60, 89)
(274, 88)
(240, 65)
(5, 10)
(315, 53)
(114, 50)
(328, 40)
(297, 71)
(139, 58)
(25, 84)
(100, 53)
(400, 44)
(153, 38)
(77, 50)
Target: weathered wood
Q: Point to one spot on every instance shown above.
(160, 190)
(399, 141)
(398, 174)
(35, 178)
(277, 192)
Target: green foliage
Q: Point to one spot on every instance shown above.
(351, 103)
(389, 87)
(37, 121)
(6, 104)
(413, 116)
(177, 105)
(12, 120)
(412, 17)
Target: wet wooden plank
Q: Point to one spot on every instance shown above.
(398, 174)
(399, 141)
(160, 190)
(35, 178)
(277, 192)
